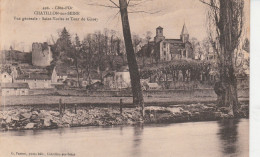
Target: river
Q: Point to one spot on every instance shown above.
(194, 139)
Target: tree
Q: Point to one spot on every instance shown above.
(77, 57)
(225, 28)
(67, 54)
(62, 48)
(132, 63)
(136, 42)
(88, 55)
(148, 37)
(197, 48)
(246, 45)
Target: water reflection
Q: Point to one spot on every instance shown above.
(137, 140)
(228, 132)
(223, 138)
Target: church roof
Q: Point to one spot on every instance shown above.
(184, 30)
(174, 41)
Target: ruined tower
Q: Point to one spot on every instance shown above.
(41, 54)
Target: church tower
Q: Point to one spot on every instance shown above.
(159, 34)
(184, 34)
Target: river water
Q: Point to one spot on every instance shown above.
(194, 139)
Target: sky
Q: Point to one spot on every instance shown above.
(169, 14)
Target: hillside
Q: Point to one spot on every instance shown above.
(14, 56)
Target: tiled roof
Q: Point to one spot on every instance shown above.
(123, 69)
(153, 85)
(109, 74)
(15, 85)
(34, 76)
(74, 75)
(174, 41)
(95, 76)
(61, 70)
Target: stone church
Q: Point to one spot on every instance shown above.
(169, 49)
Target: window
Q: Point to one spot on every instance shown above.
(4, 76)
(164, 45)
(164, 52)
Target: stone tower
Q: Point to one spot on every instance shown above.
(184, 34)
(41, 54)
(159, 34)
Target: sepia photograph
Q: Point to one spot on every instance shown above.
(124, 78)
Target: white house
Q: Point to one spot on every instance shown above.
(59, 74)
(14, 89)
(6, 78)
(120, 79)
(14, 72)
(149, 86)
(35, 80)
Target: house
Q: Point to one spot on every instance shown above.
(152, 86)
(146, 85)
(32, 69)
(35, 80)
(122, 77)
(59, 75)
(73, 80)
(208, 52)
(95, 86)
(211, 54)
(71, 83)
(118, 79)
(94, 77)
(109, 81)
(6, 78)
(14, 89)
(14, 72)
(169, 49)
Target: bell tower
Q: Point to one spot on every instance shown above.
(159, 34)
(184, 34)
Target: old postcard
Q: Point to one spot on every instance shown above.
(124, 78)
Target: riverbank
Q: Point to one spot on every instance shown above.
(149, 100)
(50, 117)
